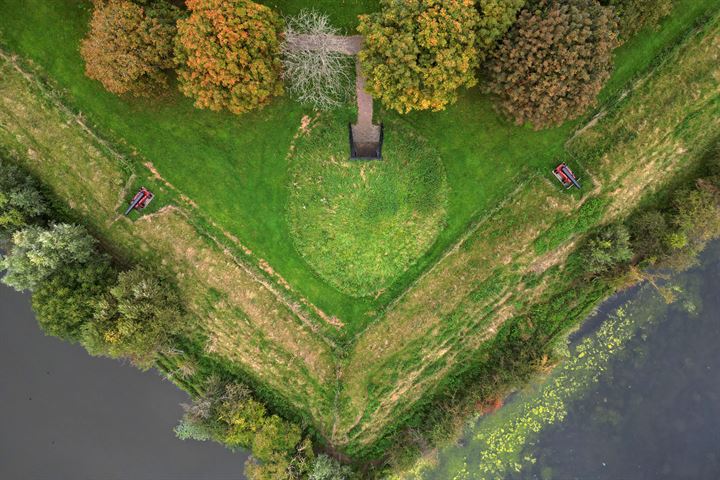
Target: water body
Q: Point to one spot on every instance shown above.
(638, 398)
(655, 413)
(66, 415)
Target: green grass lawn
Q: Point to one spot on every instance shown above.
(236, 168)
(363, 223)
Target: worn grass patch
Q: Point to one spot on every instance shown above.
(361, 224)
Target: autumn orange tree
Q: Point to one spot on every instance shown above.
(228, 53)
(129, 47)
(554, 61)
(418, 53)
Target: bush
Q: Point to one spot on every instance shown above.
(276, 436)
(315, 74)
(696, 213)
(695, 221)
(21, 203)
(554, 62)
(649, 232)
(228, 414)
(229, 54)
(608, 249)
(417, 54)
(136, 319)
(635, 15)
(242, 415)
(37, 253)
(326, 468)
(129, 47)
(67, 299)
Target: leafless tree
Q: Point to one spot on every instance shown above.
(316, 71)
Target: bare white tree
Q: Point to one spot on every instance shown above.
(316, 70)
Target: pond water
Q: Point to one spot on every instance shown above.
(655, 412)
(652, 410)
(66, 415)
(638, 398)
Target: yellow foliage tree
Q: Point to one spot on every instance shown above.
(417, 53)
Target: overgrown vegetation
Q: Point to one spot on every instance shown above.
(554, 62)
(227, 413)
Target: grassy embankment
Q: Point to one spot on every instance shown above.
(234, 171)
(235, 168)
(507, 278)
(245, 323)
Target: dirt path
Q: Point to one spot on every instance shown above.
(348, 45)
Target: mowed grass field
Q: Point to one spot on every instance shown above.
(236, 168)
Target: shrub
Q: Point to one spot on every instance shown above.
(229, 54)
(190, 429)
(227, 413)
(67, 299)
(37, 253)
(21, 203)
(608, 249)
(417, 54)
(554, 62)
(242, 415)
(129, 47)
(696, 213)
(649, 231)
(695, 221)
(496, 17)
(326, 468)
(315, 74)
(276, 436)
(136, 319)
(634, 15)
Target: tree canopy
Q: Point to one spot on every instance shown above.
(129, 47)
(136, 319)
(21, 202)
(228, 53)
(496, 17)
(554, 61)
(68, 298)
(418, 53)
(38, 253)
